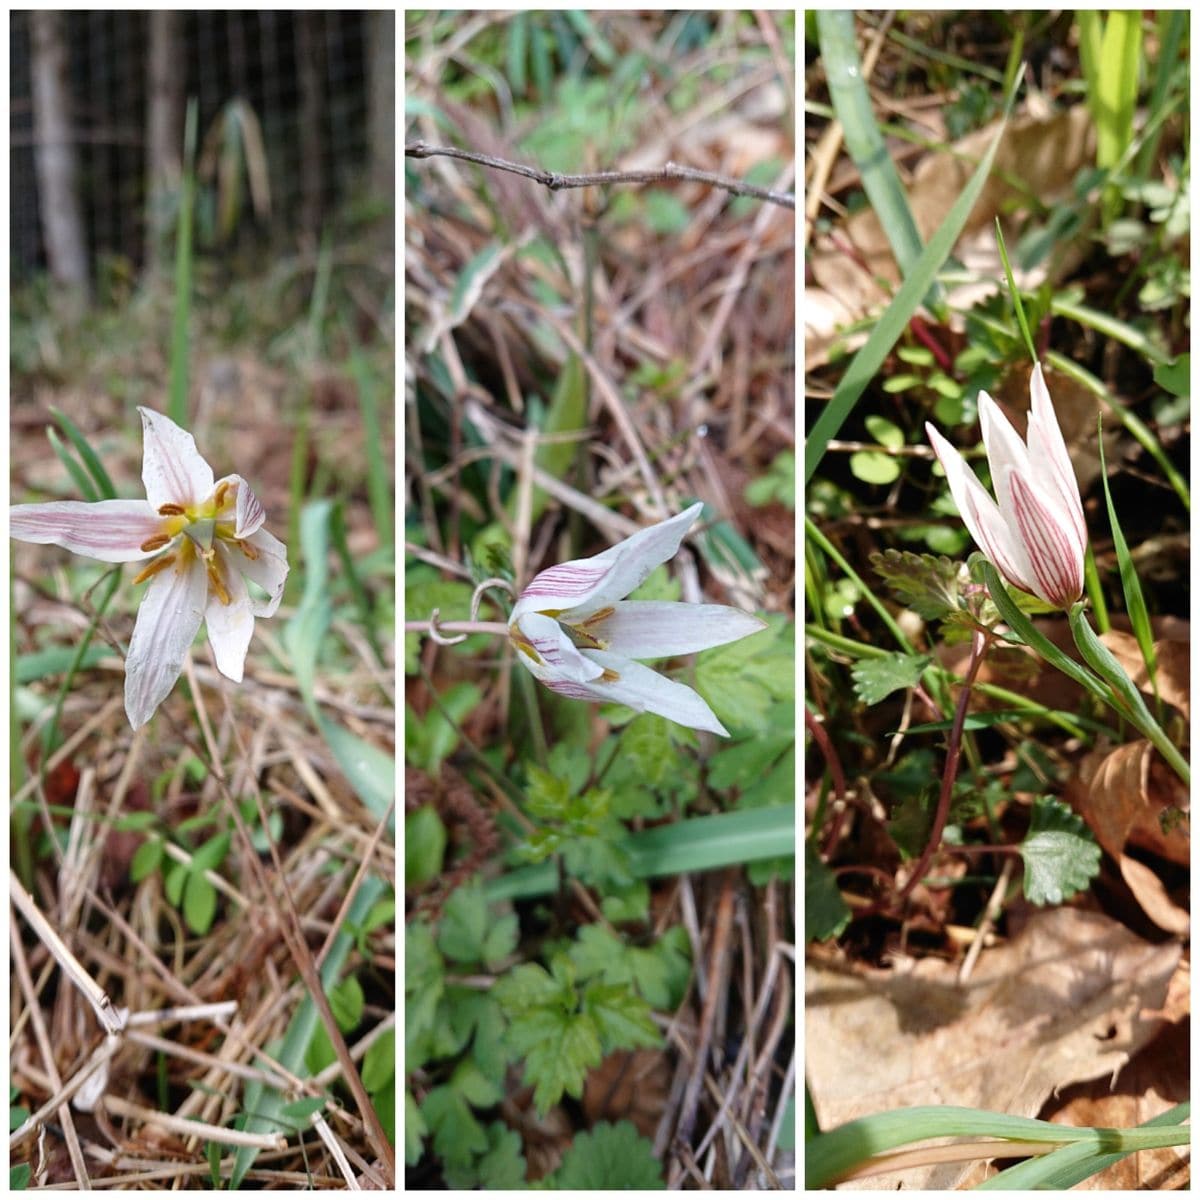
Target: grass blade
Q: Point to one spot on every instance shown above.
(891, 325)
(852, 103)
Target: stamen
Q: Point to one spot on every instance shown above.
(171, 510)
(609, 676)
(157, 542)
(525, 646)
(222, 492)
(248, 550)
(214, 577)
(159, 564)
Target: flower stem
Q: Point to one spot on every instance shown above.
(498, 628)
(979, 644)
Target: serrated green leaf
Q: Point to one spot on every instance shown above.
(825, 912)
(457, 1135)
(1060, 855)
(559, 1049)
(744, 679)
(463, 924)
(745, 762)
(875, 678)
(415, 1130)
(929, 586)
(910, 824)
(609, 1158)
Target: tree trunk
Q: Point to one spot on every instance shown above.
(381, 100)
(54, 155)
(164, 132)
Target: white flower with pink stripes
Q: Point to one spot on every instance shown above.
(1035, 536)
(204, 539)
(574, 630)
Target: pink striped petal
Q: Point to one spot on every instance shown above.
(981, 514)
(109, 530)
(249, 513)
(1052, 466)
(548, 653)
(585, 584)
(1049, 539)
(173, 470)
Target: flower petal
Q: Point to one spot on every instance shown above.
(664, 628)
(269, 570)
(548, 653)
(166, 625)
(173, 470)
(110, 530)
(1048, 536)
(580, 586)
(250, 513)
(629, 683)
(981, 515)
(230, 626)
(1052, 466)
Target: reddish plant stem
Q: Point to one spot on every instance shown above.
(924, 335)
(821, 737)
(979, 644)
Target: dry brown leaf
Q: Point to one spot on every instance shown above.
(1073, 998)
(1174, 666)
(847, 266)
(1120, 794)
(1152, 895)
(1158, 1078)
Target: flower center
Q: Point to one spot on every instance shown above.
(199, 524)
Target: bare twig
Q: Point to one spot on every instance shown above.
(557, 182)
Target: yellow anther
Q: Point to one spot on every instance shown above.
(248, 550)
(159, 564)
(157, 542)
(522, 643)
(171, 510)
(609, 676)
(214, 577)
(222, 492)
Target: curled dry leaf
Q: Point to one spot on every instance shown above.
(1153, 897)
(1120, 794)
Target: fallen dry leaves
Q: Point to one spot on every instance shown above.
(1075, 997)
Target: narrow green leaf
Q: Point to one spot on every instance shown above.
(852, 103)
(1127, 697)
(88, 456)
(1131, 586)
(1117, 84)
(78, 475)
(894, 320)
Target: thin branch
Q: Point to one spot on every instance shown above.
(556, 182)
